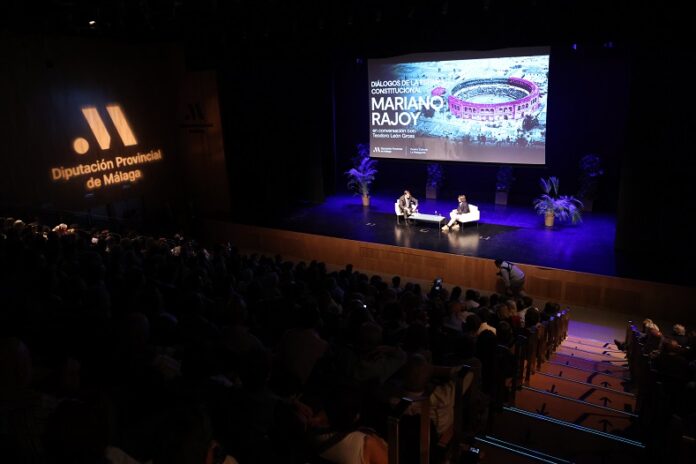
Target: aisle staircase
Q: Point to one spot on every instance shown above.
(574, 405)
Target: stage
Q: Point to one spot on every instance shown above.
(511, 232)
(514, 233)
(571, 264)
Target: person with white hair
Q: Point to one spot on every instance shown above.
(679, 335)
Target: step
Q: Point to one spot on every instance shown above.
(613, 359)
(568, 441)
(496, 450)
(592, 342)
(575, 411)
(617, 383)
(597, 366)
(589, 393)
(594, 349)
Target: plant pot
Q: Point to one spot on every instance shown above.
(430, 192)
(366, 200)
(549, 217)
(501, 198)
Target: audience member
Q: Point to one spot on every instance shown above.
(195, 355)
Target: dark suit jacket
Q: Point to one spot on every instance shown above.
(407, 204)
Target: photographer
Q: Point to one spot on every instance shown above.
(436, 290)
(511, 276)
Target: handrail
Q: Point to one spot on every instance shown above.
(393, 428)
(458, 412)
(531, 354)
(393, 423)
(520, 349)
(520, 450)
(570, 425)
(398, 411)
(537, 348)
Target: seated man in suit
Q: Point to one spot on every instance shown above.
(408, 204)
(462, 208)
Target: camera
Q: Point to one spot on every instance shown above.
(437, 287)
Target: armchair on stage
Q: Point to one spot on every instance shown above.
(397, 210)
(472, 216)
(400, 213)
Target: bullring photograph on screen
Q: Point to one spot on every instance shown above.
(485, 107)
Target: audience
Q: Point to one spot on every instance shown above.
(126, 348)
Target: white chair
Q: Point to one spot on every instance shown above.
(399, 213)
(397, 210)
(474, 215)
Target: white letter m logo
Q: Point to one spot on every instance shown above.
(96, 125)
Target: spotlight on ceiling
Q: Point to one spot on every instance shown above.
(92, 22)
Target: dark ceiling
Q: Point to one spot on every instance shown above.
(364, 27)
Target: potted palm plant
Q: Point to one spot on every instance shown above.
(362, 174)
(434, 180)
(503, 182)
(552, 205)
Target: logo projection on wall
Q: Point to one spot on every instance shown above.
(106, 170)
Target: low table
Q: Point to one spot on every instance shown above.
(427, 218)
